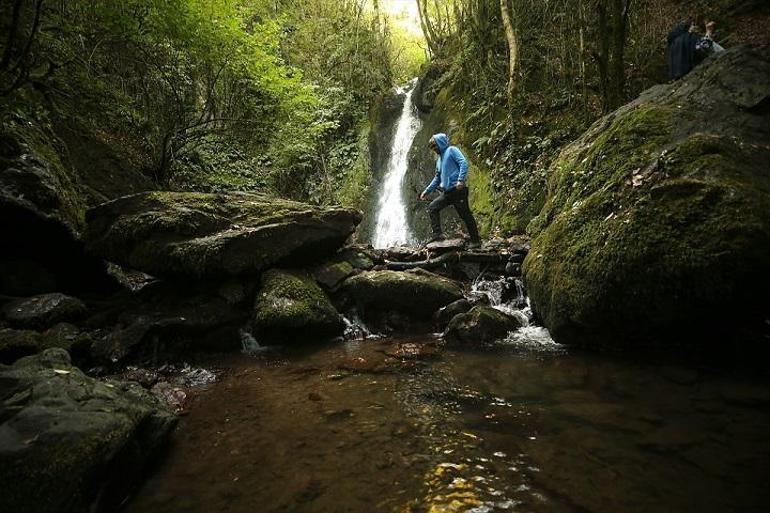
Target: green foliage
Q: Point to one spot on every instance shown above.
(209, 95)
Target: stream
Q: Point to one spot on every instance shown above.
(404, 425)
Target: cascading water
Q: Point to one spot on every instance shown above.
(392, 228)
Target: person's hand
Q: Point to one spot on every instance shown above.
(460, 186)
(423, 196)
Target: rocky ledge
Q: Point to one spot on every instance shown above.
(177, 234)
(70, 443)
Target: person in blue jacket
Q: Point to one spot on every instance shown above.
(451, 177)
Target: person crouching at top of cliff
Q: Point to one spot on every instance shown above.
(451, 176)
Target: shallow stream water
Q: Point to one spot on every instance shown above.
(403, 425)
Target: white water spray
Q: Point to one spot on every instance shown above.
(391, 228)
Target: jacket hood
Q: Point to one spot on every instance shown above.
(442, 141)
(679, 29)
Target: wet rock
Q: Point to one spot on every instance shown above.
(412, 351)
(480, 325)
(71, 443)
(206, 235)
(291, 306)
(372, 364)
(145, 377)
(174, 397)
(659, 216)
(43, 311)
(512, 269)
(330, 274)
(417, 294)
(448, 312)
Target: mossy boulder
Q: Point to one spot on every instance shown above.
(292, 307)
(480, 325)
(183, 234)
(70, 443)
(418, 294)
(658, 217)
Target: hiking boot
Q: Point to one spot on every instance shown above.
(474, 244)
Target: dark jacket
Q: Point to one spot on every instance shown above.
(682, 54)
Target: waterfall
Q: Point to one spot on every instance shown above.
(392, 228)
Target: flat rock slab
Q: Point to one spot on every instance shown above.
(443, 246)
(70, 443)
(181, 234)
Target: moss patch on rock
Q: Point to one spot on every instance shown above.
(291, 306)
(657, 218)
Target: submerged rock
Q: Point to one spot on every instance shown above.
(291, 306)
(70, 443)
(416, 293)
(200, 235)
(659, 215)
(480, 325)
(43, 311)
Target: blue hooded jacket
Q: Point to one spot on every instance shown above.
(451, 166)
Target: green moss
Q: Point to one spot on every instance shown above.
(604, 163)
(686, 232)
(291, 299)
(352, 191)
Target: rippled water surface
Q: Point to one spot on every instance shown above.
(399, 425)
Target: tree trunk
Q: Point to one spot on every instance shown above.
(617, 69)
(512, 39)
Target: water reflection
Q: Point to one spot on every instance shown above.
(525, 426)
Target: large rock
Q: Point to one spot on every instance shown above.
(69, 443)
(480, 325)
(43, 311)
(167, 317)
(15, 344)
(291, 307)
(201, 235)
(417, 293)
(657, 226)
(41, 215)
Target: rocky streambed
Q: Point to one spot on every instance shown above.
(653, 223)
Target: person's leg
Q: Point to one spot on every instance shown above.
(464, 211)
(434, 211)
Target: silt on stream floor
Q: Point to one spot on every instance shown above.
(370, 426)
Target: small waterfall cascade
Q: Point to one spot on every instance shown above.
(391, 228)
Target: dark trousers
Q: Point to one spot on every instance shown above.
(458, 199)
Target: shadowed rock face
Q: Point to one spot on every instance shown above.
(657, 226)
(41, 215)
(177, 234)
(70, 443)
